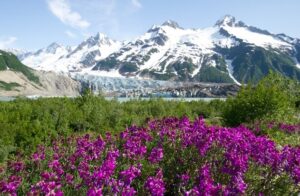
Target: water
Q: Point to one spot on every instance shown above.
(125, 99)
(7, 98)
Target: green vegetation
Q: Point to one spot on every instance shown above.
(183, 69)
(157, 75)
(220, 63)
(212, 74)
(25, 123)
(281, 138)
(106, 64)
(273, 98)
(8, 86)
(128, 67)
(11, 62)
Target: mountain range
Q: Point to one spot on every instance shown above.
(228, 52)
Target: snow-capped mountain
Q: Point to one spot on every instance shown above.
(45, 58)
(59, 58)
(252, 35)
(89, 52)
(216, 54)
(228, 52)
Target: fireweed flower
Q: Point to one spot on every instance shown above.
(69, 178)
(206, 184)
(11, 186)
(130, 174)
(128, 191)
(16, 167)
(47, 188)
(184, 178)
(135, 139)
(94, 192)
(289, 128)
(106, 170)
(156, 155)
(56, 167)
(155, 185)
(237, 185)
(290, 160)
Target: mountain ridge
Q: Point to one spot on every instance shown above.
(228, 52)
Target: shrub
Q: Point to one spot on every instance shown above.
(272, 98)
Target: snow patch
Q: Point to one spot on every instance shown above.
(196, 71)
(256, 38)
(230, 71)
(297, 63)
(111, 73)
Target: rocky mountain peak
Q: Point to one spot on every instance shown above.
(99, 39)
(53, 47)
(229, 20)
(171, 23)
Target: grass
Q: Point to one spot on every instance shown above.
(281, 138)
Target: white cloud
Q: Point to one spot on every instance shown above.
(70, 34)
(136, 3)
(7, 42)
(103, 14)
(62, 10)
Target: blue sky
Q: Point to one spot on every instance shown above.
(33, 24)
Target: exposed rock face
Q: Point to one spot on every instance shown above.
(58, 85)
(52, 84)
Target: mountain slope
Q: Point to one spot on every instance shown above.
(17, 79)
(9, 61)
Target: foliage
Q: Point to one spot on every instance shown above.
(26, 123)
(212, 74)
(128, 67)
(272, 98)
(8, 86)
(106, 64)
(167, 157)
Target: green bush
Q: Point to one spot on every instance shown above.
(273, 98)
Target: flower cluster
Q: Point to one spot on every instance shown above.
(169, 156)
(156, 155)
(287, 128)
(155, 185)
